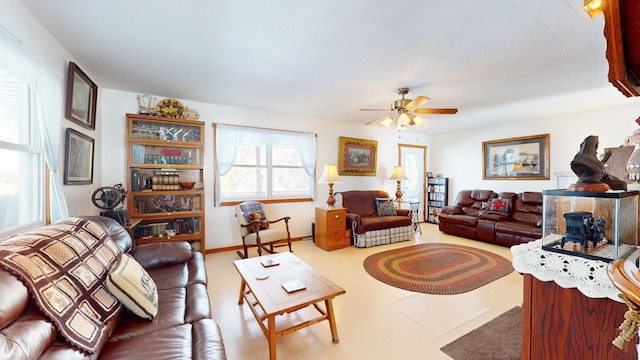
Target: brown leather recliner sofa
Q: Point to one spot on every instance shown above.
(473, 216)
(182, 328)
(369, 229)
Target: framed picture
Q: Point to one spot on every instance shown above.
(521, 158)
(357, 157)
(429, 174)
(78, 158)
(82, 95)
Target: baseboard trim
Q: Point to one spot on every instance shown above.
(239, 247)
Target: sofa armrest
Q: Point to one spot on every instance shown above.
(452, 210)
(161, 254)
(354, 218)
(494, 215)
(403, 212)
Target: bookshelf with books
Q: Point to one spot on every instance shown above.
(437, 197)
(165, 177)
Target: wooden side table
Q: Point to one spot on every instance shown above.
(330, 229)
(131, 227)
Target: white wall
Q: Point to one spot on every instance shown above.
(22, 24)
(221, 229)
(458, 155)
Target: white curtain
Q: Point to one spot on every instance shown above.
(230, 137)
(46, 89)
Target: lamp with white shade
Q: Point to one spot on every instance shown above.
(398, 175)
(330, 176)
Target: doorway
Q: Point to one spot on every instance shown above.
(413, 158)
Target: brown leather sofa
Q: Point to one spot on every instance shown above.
(472, 217)
(367, 228)
(182, 328)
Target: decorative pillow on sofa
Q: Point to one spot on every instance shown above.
(385, 207)
(501, 205)
(257, 215)
(134, 288)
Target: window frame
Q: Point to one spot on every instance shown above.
(31, 146)
(268, 165)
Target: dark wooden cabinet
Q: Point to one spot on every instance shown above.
(560, 323)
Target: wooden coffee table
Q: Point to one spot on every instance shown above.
(267, 298)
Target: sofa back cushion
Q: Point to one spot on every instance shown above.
(362, 202)
(475, 202)
(528, 208)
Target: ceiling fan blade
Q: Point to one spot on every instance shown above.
(443, 111)
(378, 119)
(374, 109)
(418, 101)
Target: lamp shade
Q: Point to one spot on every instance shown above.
(398, 174)
(329, 175)
(593, 7)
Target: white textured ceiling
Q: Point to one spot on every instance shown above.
(329, 58)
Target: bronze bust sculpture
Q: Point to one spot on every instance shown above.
(590, 170)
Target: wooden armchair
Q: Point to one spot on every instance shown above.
(256, 229)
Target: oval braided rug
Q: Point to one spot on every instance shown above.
(442, 269)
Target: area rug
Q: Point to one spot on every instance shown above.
(442, 269)
(499, 339)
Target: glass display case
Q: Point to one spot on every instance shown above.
(165, 177)
(599, 226)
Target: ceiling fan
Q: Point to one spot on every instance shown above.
(405, 111)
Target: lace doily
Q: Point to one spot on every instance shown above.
(588, 276)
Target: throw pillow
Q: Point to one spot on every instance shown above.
(134, 288)
(385, 207)
(256, 215)
(501, 205)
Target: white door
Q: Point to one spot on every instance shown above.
(413, 158)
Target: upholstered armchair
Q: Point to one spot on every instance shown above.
(257, 230)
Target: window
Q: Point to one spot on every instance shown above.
(22, 166)
(261, 164)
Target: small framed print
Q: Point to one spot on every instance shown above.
(429, 174)
(78, 158)
(82, 96)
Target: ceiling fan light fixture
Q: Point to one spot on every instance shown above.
(403, 119)
(387, 121)
(418, 120)
(593, 7)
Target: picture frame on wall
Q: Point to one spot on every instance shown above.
(357, 157)
(82, 96)
(78, 158)
(518, 158)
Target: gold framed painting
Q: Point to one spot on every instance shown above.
(357, 157)
(519, 158)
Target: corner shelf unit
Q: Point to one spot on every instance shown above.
(163, 152)
(437, 197)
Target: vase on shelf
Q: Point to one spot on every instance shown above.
(633, 166)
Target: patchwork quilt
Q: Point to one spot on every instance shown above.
(64, 266)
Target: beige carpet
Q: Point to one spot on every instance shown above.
(499, 339)
(435, 314)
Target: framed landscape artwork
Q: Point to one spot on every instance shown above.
(521, 158)
(78, 158)
(82, 95)
(357, 157)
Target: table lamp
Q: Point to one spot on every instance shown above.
(398, 175)
(330, 176)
